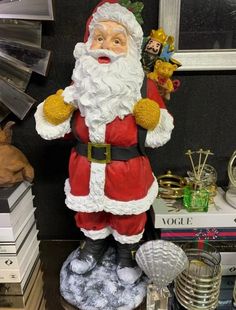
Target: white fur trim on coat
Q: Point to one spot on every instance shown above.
(49, 131)
(162, 133)
(126, 239)
(99, 202)
(105, 232)
(97, 234)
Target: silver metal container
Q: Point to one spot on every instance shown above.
(198, 286)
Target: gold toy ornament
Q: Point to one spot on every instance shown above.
(158, 63)
(158, 46)
(162, 74)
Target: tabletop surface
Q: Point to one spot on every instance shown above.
(52, 255)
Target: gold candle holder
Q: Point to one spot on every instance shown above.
(198, 286)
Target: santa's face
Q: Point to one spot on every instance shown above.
(107, 77)
(111, 36)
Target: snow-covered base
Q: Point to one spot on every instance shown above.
(100, 289)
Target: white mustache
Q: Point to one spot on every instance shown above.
(104, 53)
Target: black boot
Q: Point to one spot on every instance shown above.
(90, 254)
(127, 269)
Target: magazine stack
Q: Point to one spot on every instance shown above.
(21, 282)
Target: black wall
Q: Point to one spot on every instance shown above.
(203, 109)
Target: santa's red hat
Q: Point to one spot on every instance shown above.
(111, 10)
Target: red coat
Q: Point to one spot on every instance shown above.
(120, 187)
(125, 181)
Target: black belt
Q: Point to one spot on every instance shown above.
(104, 153)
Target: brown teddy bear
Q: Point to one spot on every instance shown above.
(14, 166)
(162, 74)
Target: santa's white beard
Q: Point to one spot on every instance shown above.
(103, 91)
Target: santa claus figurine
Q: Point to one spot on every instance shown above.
(110, 184)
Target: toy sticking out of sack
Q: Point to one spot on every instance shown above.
(158, 63)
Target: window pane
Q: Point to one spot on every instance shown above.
(207, 24)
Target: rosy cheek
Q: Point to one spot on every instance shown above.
(120, 49)
(117, 49)
(95, 45)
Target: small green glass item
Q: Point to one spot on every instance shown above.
(196, 200)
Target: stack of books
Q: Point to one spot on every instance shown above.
(21, 283)
(217, 226)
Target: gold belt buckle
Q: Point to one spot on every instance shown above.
(99, 145)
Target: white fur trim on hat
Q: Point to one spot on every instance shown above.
(117, 13)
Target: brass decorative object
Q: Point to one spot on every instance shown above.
(171, 185)
(232, 170)
(231, 192)
(198, 286)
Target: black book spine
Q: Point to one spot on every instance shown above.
(4, 206)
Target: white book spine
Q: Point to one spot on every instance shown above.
(33, 300)
(228, 258)
(12, 247)
(10, 219)
(11, 276)
(16, 275)
(193, 220)
(25, 286)
(220, 214)
(10, 234)
(20, 189)
(8, 248)
(228, 270)
(14, 261)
